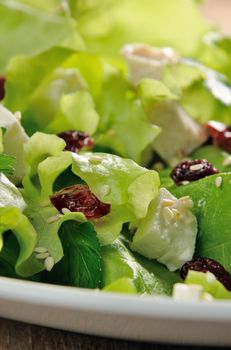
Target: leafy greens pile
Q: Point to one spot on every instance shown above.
(63, 71)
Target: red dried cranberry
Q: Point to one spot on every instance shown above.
(221, 135)
(80, 198)
(205, 265)
(2, 87)
(192, 170)
(75, 140)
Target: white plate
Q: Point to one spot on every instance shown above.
(113, 315)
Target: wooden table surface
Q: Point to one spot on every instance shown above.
(21, 336)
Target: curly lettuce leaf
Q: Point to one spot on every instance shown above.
(42, 89)
(77, 112)
(106, 30)
(49, 30)
(123, 120)
(51, 5)
(38, 148)
(12, 219)
(63, 89)
(128, 187)
(153, 91)
(13, 140)
(127, 182)
(203, 92)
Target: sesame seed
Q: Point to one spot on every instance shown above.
(40, 250)
(218, 181)
(41, 256)
(49, 263)
(196, 167)
(167, 214)
(176, 214)
(230, 181)
(65, 210)
(227, 161)
(18, 115)
(54, 218)
(167, 202)
(185, 182)
(201, 203)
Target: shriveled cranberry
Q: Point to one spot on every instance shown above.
(192, 170)
(80, 198)
(75, 140)
(221, 134)
(205, 265)
(2, 87)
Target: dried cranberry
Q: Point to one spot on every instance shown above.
(221, 135)
(75, 140)
(2, 87)
(80, 198)
(192, 170)
(205, 265)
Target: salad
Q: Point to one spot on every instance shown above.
(115, 149)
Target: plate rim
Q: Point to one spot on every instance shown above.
(74, 298)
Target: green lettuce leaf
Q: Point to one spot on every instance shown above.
(77, 112)
(149, 277)
(7, 164)
(38, 148)
(12, 219)
(215, 51)
(107, 29)
(49, 30)
(51, 5)
(121, 285)
(153, 91)
(123, 120)
(210, 98)
(121, 176)
(47, 222)
(211, 207)
(128, 187)
(63, 89)
(81, 263)
(13, 140)
(42, 89)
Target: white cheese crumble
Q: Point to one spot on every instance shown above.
(168, 232)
